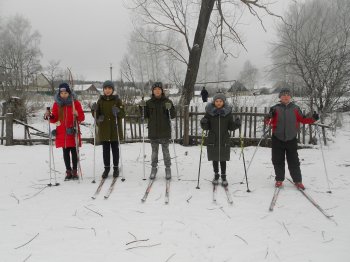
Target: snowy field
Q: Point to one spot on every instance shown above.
(40, 223)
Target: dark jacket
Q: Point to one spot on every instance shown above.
(204, 94)
(159, 125)
(219, 123)
(107, 128)
(285, 121)
(64, 135)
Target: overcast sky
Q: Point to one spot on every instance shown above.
(88, 35)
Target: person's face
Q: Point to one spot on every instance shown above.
(285, 99)
(219, 103)
(108, 90)
(157, 91)
(64, 94)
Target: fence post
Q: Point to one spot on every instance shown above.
(9, 129)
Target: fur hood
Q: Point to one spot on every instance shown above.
(211, 109)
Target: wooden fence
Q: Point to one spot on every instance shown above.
(251, 130)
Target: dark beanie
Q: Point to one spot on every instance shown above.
(157, 84)
(108, 83)
(64, 87)
(284, 91)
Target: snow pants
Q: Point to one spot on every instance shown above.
(281, 150)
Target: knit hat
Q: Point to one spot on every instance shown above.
(157, 84)
(284, 91)
(108, 83)
(64, 87)
(219, 96)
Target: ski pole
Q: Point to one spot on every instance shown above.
(200, 160)
(50, 169)
(242, 153)
(143, 139)
(51, 158)
(171, 134)
(324, 162)
(120, 147)
(94, 164)
(256, 149)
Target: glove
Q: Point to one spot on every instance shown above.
(94, 107)
(47, 114)
(237, 123)
(70, 131)
(115, 111)
(205, 123)
(272, 112)
(315, 116)
(100, 118)
(220, 111)
(142, 103)
(168, 105)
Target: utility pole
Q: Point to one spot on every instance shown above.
(111, 68)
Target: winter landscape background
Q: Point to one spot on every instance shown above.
(65, 224)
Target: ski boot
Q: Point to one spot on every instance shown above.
(216, 179)
(300, 185)
(167, 173)
(224, 182)
(153, 173)
(279, 184)
(75, 174)
(68, 175)
(115, 171)
(106, 172)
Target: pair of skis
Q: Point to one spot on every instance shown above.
(227, 191)
(149, 187)
(308, 197)
(109, 191)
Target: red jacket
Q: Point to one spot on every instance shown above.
(62, 138)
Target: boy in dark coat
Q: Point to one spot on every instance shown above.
(109, 108)
(285, 118)
(65, 109)
(158, 109)
(219, 121)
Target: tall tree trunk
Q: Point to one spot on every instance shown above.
(194, 61)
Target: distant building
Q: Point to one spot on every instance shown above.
(86, 89)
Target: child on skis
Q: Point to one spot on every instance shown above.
(109, 113)
(218, 120)
(65, 111)
(158, 109)
(285, 118)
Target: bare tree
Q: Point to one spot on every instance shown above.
(19, 52)
(176, 16)
(249, 75)
(53, 73)
(313, 48)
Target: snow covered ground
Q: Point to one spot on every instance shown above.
(40, 223)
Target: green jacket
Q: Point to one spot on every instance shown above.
(107, 128)
(219, 124)
(159, 125)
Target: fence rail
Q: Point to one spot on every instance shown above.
(252, 128)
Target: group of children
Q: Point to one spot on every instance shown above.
(284, 119)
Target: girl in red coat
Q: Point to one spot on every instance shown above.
(65, 110)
